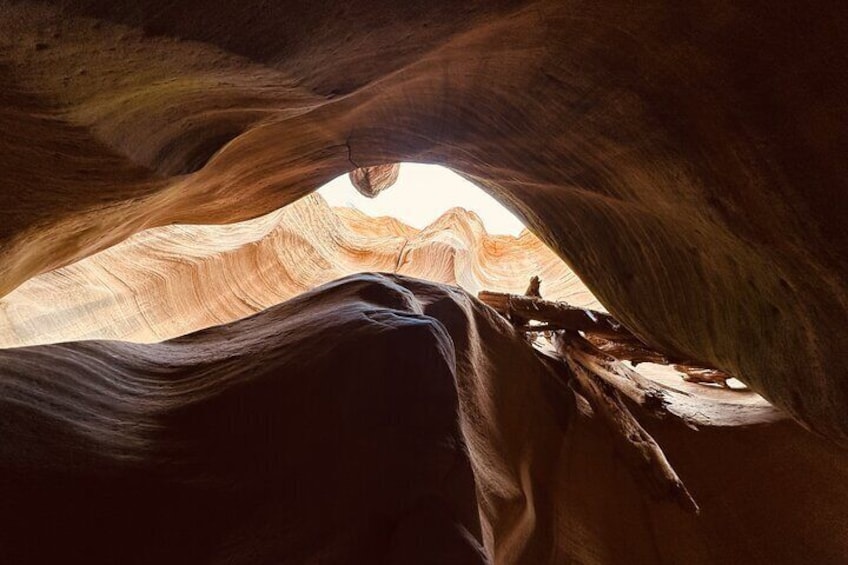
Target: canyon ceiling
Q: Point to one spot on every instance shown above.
(687, 161)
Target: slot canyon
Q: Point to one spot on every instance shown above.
(204, 361)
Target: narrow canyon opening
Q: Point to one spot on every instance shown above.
(205, 358)
(433, 225)
(424, 222)
(411, 219)
(422, 193)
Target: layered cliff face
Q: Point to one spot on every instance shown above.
(169, 281)
(686, 161)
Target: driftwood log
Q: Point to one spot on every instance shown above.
(604, 384)
(591, 346)
(602, 330)
(554, 315)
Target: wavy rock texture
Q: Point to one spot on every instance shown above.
(686, 160)
(325, 429)
(166, 282)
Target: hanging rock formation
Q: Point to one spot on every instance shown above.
(371, 181)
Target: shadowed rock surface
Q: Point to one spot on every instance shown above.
(687, 161)
(326, 427)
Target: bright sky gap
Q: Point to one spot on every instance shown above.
(421, 194)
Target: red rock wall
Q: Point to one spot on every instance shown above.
(375, 419)
(687, 161)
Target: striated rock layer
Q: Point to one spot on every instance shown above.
(377, 419)
(169, 281)
(686, 160)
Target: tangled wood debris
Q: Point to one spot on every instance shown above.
(604, 384)
(591, 346)
(602, 330)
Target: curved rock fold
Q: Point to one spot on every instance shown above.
(686, 161)
(323, 428)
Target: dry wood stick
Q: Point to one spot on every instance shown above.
(602, 379)
(604, 331)
(642, 453)
(644, 392)
(559, 313)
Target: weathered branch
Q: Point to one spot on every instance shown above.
(641, 452)
(561, 314)
(644, 392)
(603, 380)
(604, 332)
(703, 375)
(631, 349)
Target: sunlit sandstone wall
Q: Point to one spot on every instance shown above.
(169, 281)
